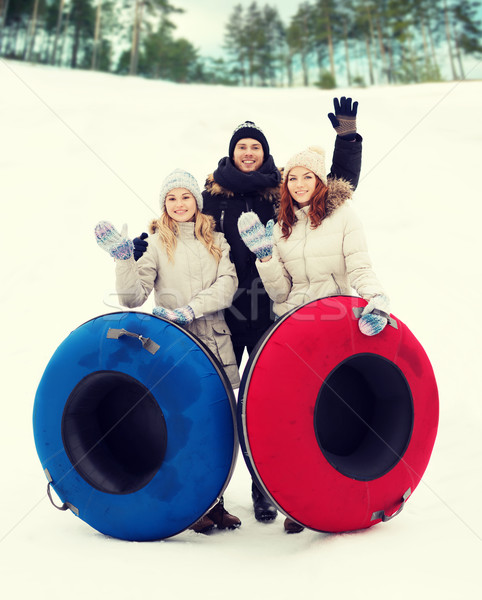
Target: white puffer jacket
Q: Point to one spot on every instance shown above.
(193, 277)
(314, 263)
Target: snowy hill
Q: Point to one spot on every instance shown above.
(77, 147)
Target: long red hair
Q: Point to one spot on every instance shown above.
(317, 211)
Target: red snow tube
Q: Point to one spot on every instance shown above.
(336, 427)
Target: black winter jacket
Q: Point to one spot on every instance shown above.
(250, 314)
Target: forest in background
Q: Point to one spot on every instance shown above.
(326, 42)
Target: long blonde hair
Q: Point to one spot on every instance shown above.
(168, 230)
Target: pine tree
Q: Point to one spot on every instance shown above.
(345, 26)
(97, 36)
(467, 31)
(270, 38)
(15, 21)
(363, 31)
(324, 14)
(152, 8)
(32, 29)
(448, 36)
(299, 38)
(252, 40)
(422, 14)
(400, 40)
(166, 58)
(60, 17)
(82, 22)
(234, 43)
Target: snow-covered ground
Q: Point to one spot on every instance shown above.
(77, 147)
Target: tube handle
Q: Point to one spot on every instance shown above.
(65, 505)
(380, 514)
(147, 343)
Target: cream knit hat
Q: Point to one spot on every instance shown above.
(313, 159)
(180, 179)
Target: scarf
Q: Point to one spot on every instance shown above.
(234, 180)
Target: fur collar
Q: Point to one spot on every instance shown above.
(339, 191)
(153, 226)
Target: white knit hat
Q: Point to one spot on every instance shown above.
(313, 159)
(180, 179)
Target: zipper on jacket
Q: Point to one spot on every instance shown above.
(304, 249)
(223, 206)
(336, 283)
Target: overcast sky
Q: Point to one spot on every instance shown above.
(203, 22)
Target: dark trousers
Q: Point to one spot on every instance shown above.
(239, 350)
(238, 353)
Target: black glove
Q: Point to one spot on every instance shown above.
(140, 246)
(344, 119)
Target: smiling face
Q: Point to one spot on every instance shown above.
(248, 155)
(181, 205)
(301, 185)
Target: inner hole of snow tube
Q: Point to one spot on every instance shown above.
(364, 416)
(114, 432)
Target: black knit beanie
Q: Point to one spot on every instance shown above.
(248, 130)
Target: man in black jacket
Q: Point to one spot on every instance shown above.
(248, 180)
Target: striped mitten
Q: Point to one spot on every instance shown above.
(118, 245)
(181, 316)
(344, 119)
(257, 237)
(375, 315)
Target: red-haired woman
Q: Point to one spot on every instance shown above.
(316, 249)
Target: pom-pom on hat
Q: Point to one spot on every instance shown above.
(248, 129)
(180, 179)
(313, 159)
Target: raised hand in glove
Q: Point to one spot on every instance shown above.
(181, 316)
(257, 237)
(344, 119)
(118, 245)
(375, 315)
(140, 245)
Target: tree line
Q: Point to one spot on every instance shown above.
(360, 42)
(365, 41)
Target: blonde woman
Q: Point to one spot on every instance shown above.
(187, 265)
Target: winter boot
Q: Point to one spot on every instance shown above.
(202, 525)
(292, 526)
(220, 516)
(264, 511)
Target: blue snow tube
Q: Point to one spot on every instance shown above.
(134, 424)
